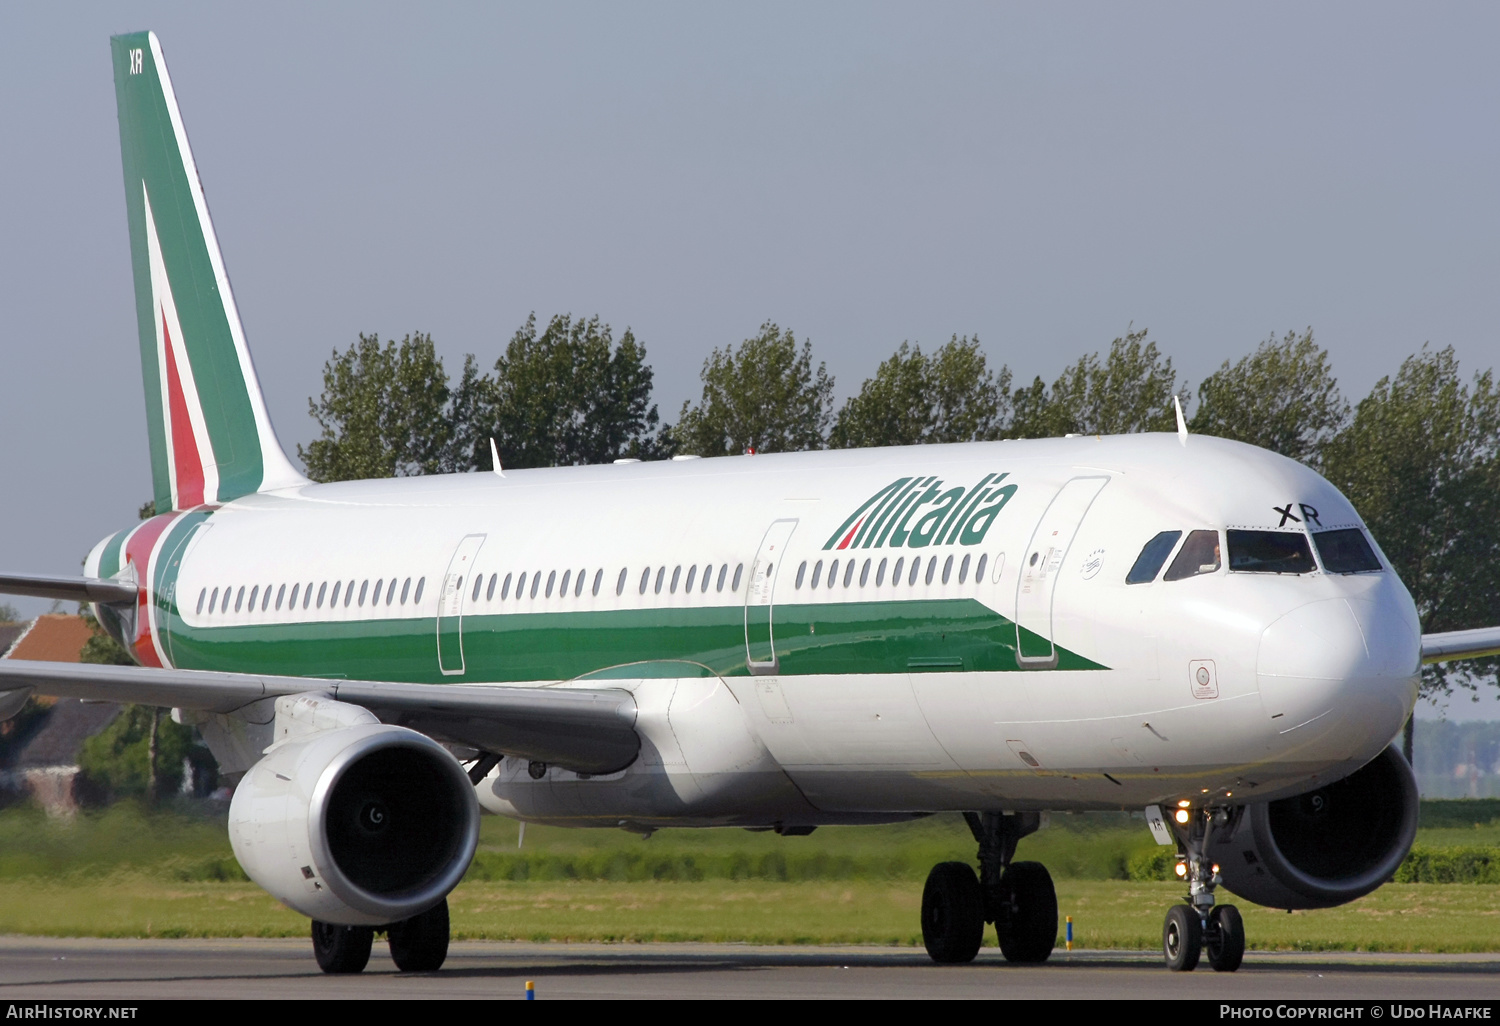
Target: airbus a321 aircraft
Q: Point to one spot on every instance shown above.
(1183, 625)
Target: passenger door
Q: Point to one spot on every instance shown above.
(450, 638)
(1041, 563)
(760, 648)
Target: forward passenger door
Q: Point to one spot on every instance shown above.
(1042, 560)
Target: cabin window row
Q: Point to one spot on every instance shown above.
(927, 573)
(534, 585)
(389, 592)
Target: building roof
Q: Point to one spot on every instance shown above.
(67, 726)
(52, 638)
(54, 738)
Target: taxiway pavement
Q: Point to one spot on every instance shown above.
(49, 968)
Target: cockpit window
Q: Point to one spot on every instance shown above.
(1346, 551)
(1148, 563)
(1270, 552)
(1199, 555)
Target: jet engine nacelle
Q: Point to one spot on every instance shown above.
(1325, 847)
(360, 826)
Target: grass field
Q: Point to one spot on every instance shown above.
(1106, 914)
(125, 873)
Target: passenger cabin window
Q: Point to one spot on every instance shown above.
(620, 584)
(418, 596)
(817, 573)
(599, 579)
(293, 603)
(1342, 552)
(1270, 552)
(896, 573)
(931, 568)
(979, 570)
(201, 596)
(722, 571)
(1199, 555)
(738, 572)
(1153, 554)
(880, 573)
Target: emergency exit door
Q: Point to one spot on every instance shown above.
(760, 642)
(1045, 558)
(450, 619)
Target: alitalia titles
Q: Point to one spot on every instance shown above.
(917, 512)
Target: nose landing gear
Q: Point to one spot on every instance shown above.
(1200, 927)
(1017, 897)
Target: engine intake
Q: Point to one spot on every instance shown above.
(1325, 847)
(360, 826)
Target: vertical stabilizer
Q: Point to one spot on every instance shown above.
(211, 439)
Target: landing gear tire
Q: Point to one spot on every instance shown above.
(952, 913)
(1224, 940)
(341, 949)
(1182, 939)
(1027, 927)
(420, 944)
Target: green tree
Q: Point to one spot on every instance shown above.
(763, 395)
(1420, 460)
(9, 613)
(950, 396)
(1130, 390)
(1282, 397)
(139, 754)
(385, 411)
(565, 396)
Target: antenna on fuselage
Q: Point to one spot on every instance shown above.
(500, 471)
(1176, 405)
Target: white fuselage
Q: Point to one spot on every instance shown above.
(777, 701)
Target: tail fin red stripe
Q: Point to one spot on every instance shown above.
(185, 458)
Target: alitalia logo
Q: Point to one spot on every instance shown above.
(917, 512)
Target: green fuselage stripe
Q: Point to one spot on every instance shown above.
(831, 638)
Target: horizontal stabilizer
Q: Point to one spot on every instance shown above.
(68, 589)
(1439, 648)
(585, 730)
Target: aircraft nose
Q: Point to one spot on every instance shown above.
(1339, 664)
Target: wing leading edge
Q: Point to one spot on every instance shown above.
(588, 730)
(1440, 648)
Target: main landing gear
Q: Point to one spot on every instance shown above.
(1016, 896)
(1200, 927)
(418, 944)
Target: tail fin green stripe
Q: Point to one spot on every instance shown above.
(203, 401)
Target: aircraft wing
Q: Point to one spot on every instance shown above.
(69, 589)
(589, 730)
(1439, 648)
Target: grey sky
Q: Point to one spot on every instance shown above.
(1041, 175)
